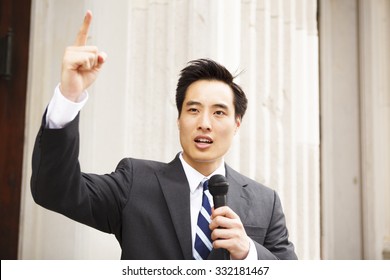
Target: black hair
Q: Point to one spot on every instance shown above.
(207, 69)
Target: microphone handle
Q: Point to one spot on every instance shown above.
(219, 201)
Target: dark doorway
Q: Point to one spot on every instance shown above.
(14, 49)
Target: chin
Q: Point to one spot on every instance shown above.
(206, 159)
(203, 156)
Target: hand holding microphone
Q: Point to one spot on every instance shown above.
(227, 229)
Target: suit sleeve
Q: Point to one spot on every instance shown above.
(276, 244)
(58, 184)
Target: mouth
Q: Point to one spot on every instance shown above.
(203, 142)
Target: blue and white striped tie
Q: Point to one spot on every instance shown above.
(203, 245)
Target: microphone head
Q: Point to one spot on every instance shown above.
(218, 185)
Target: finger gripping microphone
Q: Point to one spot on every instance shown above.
(218, 187)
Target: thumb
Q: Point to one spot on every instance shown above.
(102, 57)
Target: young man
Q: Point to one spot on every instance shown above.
(153, 207)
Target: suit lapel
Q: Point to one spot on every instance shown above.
(176, 191)
(238, 198)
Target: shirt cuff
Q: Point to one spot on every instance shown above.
(61, 110)
(252, 255)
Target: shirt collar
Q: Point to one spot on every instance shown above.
(194, 177)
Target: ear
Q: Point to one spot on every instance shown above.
(238, 124)
(178, 124)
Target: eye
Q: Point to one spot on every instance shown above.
(192, 110)
(220, 113)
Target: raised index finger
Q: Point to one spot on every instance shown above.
(82, 36)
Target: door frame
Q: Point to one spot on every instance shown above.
(14, 18)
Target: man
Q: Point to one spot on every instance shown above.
(153, 208)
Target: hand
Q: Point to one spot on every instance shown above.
(81, 64)
(228, 232)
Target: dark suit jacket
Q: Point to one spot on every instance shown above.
(146, 203)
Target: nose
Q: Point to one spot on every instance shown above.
(204, 122)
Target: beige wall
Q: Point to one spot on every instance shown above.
(375, 115)
(340, 115)
(355, 126)
(132, 110)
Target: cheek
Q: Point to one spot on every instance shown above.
(228, 130)
(227, 135)
(184, 133)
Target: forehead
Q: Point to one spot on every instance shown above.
(209, 91)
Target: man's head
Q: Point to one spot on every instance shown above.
(210, 109)
(207, 69)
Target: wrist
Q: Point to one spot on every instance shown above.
(73, 97)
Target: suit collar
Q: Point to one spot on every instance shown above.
(194, 177)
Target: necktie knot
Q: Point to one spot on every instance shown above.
(205, 184)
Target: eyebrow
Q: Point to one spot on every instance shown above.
(192, 102)
(197, 103)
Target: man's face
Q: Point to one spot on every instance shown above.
(207, 124)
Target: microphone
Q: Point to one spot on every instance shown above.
(218, 187)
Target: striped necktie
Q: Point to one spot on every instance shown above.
(203, 245)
